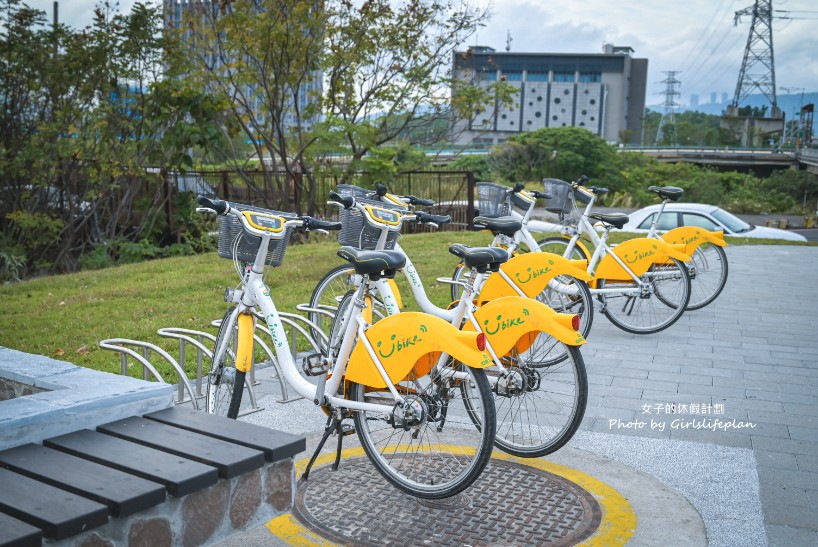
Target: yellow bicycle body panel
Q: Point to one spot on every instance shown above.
(514, 322)
(244, 349)
(639, 254)
(403, 342)
(531, 272)
(692, 236)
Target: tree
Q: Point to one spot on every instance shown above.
(384, 67)
(85, 114)
(557, 152)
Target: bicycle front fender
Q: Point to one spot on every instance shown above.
(692, 236)
(639, 255)
(513, 322)
(409, 342)
(531, 272)
(244, 347)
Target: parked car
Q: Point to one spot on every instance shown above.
(709, 217)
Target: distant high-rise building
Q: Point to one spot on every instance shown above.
(713, 97)
(602, 92)
(725, 98)
(694, 100)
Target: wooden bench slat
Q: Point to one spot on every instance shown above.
(230, 459)
(58, 513)
(16, 533)
(123, 493)
(275, 444)
(180, 476)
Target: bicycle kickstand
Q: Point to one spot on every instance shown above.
(333, 424)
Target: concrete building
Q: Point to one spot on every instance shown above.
(604, 93)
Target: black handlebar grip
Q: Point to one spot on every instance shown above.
(423, 202)
(540, 195)
(582, 180)
(346, 201)
(213, 203)
(381, 190)
(318, 224)
(518, 187)
(425, 218)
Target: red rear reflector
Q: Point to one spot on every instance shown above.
(575, 322)
(481, 341)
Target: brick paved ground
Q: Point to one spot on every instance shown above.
(754, 351)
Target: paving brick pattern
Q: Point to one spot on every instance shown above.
(751, 357)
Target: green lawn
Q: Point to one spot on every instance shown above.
(66, 316)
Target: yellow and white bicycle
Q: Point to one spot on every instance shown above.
(412, 384)
(538, 376)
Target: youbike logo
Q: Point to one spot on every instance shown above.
(638, 255)
(400, 344)
(533, 274)
(503, 323)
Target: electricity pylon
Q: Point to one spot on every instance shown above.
(758, 65)
(668, 117)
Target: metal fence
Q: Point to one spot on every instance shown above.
(452, 191)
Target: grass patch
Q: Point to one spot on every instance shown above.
(66, 316)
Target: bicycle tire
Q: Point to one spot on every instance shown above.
(225, 384)
(664, 303)
(708, 271)
(559, 246)
(444, 453)
(547, 408)
(329, 292)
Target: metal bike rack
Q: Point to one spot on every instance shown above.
(119, 345)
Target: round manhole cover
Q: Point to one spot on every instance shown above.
(510, 504)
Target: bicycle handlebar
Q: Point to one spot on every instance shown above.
(221, 207)
(347, 202)
(426, 218)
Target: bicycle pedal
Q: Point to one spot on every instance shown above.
(315, 364)
(347, 429)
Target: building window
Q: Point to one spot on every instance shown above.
(556, 100)
(538, 114)
(590, 77)
(584, 112)
(487, 76)
(554, 118)
(566, 92)
(592, 101)
(513, 75)
(563, 76)
(536, 76)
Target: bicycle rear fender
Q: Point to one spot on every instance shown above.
(514, 322)
(531, 272)
(692, 236)
(639, 254)
(411, 341)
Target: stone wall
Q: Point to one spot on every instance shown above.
(204, 517)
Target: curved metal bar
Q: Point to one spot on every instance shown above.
(115, 344)
(182, 335)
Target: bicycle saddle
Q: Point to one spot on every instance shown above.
(502, 225)
(372, 263)
(668, 192)
(481, 258)
(616, 220)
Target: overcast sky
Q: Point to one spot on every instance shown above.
(695, 37)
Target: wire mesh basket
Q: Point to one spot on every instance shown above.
(493, 199)
(231, 230)
(357, 232)
(560, 200)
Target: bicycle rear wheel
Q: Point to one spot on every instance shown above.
(660, 303)
(540, 400)
(431, 447)
(225, 384)
(708, 275)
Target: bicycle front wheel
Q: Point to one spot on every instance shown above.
(708, 275)
(327, 296)
(225, 383)
(655, 306)
(430, 447)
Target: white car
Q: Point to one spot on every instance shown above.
(709, 217)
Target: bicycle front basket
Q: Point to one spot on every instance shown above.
(357, 232)
(560, 200)
(493, 199)
(232, 236)
(352, 190)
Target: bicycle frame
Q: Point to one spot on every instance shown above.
(689, 236)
